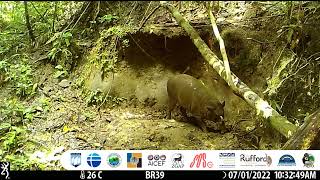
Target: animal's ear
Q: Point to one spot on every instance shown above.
(224, 103)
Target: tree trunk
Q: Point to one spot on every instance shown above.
(26, 13)
(278, 122)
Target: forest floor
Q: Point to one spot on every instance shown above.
(65, 121)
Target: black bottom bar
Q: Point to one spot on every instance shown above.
(175, 175)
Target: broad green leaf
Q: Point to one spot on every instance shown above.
(55, 36)
(59, 67)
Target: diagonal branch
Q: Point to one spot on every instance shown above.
(221, 43)
(41, 16)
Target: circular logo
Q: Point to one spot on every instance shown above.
(94, 160)
(114, 160)
(156, 157)
(150, 157)
(308, 160)
(210, 164)
(286, 160)
(163, 157)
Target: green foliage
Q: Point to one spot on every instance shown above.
(16, 71)
(23, 162)
(19, 75)
(108, 18)
(45, 103)
(4, 67)
(275, 105)
(11, 142)
(296, 14)
(79, 82)
(13, 32)
(43, 16)
(106, 51)
(61, 47)
(35, 110)
(67, 37)
(13, 109)
(99, 98)
(116, 100)
(12, 139)
(61, 72)
(88, 115)
(95, 97)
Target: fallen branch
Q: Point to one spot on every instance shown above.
(221, 43)
(278, 122)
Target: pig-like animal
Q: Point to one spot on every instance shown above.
(195, 98)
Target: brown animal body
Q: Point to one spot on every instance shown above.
(195, 98)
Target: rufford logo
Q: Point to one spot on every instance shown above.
(200, 160)
(156, 160)
(177, 160)
(255, 160)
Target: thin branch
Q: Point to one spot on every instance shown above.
(134, 7)
(41, 16)
(105, 98)
(74, 18)
(152, 58)
(54, 16)
(96, 15)
(81, 16)
(45, 12)
(222, 46)
(145, 20)
(260, 42)
(274, 66)
(144, 16)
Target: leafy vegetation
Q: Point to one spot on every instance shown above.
(61, 72)
(99, 98)
(60, 42)
(19, 75)
(106, 52)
